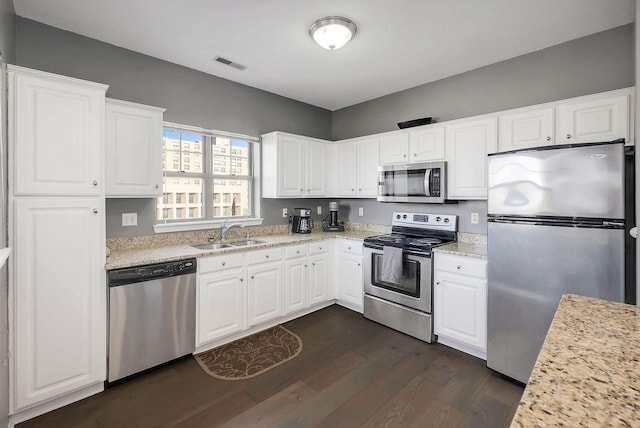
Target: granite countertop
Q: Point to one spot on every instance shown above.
(468, 249)
(140, 256)
(588, 370)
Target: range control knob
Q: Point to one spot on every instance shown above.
(446, 220)
(438, 218)
(404, 216)
(398, 216)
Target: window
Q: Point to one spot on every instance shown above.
(207, 176)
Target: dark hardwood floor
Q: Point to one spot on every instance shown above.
(351, 373)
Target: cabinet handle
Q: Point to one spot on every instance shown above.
(95, 182)
(458, 267)
(320, 248)
(267, 256)
(348, 248)
(415, 154)
(157, 186)
(359, 190)
(241, 279)
(358, 264)
(224, 263)
(438, 283)
(95, 211)
(306, 265)
(568, 136)
(297, 251)
(253, 277)
(313, 264)
(404, 155)
(302, 190)
(548, 138)
(353, 190)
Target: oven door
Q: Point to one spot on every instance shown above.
(412, 290)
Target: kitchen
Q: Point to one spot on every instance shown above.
(560, 72)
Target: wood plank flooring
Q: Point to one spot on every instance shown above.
(351, 373)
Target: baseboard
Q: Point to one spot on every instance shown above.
(471, 350)
(349, 305)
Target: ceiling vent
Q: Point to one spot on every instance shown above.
(230, 63)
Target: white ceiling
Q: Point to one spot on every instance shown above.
(400, 44)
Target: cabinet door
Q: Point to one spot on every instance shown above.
(349, 278)
(221, 304)
(319, 278)
(265, 292)
(59, 293)
(593, 121)
(296, 283)
(57, 137)
(133, 149)
(346, 159)
(291, 166)
(526, 129)
(394, 148)
(467, 146)
(315, 169)
(426, 144)
(368, 159)
(460, 308)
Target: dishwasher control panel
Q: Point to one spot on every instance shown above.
(150, 272)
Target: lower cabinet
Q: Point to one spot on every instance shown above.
(264, 292)
(221, 304)
(349, 273)
(460, 302)
(58, 291)
(319, 281)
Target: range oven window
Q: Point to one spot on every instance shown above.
(409, 283)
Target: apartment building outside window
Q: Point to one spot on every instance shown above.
(206, 176)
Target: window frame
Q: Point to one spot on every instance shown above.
(209, 222)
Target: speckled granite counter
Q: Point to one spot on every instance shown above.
(468, 244)
(588, 371)
(121, 258)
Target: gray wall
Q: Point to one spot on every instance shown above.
(596, 63)
(190, 97)
(7, 55)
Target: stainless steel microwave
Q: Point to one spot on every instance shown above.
(424, 182)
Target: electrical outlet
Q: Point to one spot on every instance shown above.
(129, 219)
(474, 218)
(319, 210)
(360, 211)
(284, 213)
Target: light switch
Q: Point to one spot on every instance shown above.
(474, 218)
(319, 210)
(129, 219)
(284, 213)
(361, 211)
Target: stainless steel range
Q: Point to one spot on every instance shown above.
(398, 279)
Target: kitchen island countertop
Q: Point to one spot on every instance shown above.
(588, 370)
(118, 259)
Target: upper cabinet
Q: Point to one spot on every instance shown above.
(394, 147)
(522, 130)
(293, 166)
(361, 181)
(593, 120)
(59, 122)
(467, 146)
(420, 144)
(133, 149)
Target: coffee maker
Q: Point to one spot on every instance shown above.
(302, 221)
(333, 225)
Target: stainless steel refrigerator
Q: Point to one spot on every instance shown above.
(556, 225)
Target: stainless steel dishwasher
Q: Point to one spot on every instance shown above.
(151, 316)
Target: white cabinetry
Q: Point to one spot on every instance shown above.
(394, 147)
(460, 303)
(133, 149)
(57, 282)
(525, 129)
(426, 143)
(467, 146)
(361, 181)
(320, 284)
(349, 274)
(57, 126)
(593, 120)
(266, 284)
(293, 166)
(221, 297)
(296, 283)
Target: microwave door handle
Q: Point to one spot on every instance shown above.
(427, 181)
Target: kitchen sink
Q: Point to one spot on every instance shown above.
(213, 246)
(247, 242)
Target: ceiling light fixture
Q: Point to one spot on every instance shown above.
(332, 32)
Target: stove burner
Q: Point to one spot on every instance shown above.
(425, 242)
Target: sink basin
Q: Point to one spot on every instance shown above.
(214, 246)
(246, 242)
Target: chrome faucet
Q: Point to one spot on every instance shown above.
(225, 229)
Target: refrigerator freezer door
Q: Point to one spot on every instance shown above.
(530, 268)
(582, 181)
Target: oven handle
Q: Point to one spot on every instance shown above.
(427, 181)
